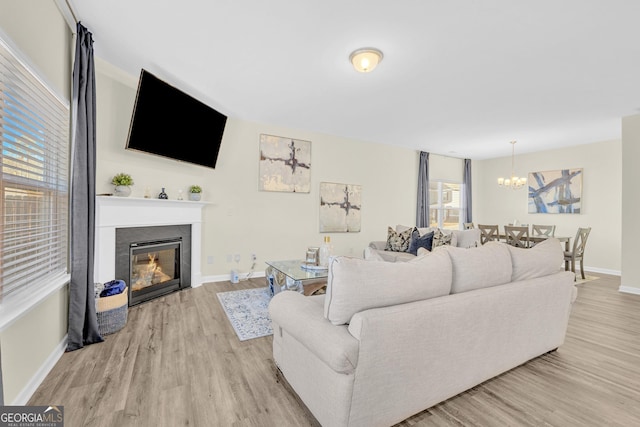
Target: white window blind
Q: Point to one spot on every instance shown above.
(34, 132)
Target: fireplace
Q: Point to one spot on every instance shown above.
(153, 261)
(154, 269)
(124, 215)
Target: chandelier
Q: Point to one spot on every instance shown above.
(513, 182)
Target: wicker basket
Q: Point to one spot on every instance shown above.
(112, 312)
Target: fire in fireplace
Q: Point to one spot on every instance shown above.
(155, 268)
(153, 261)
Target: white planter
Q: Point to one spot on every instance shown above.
(195, 197)
(122, 191)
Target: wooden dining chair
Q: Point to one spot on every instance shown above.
(543, 230)
(577, 254)
(488, 233)
(517, 236)
(468, 225)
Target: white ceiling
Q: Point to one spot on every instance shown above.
(459, 78)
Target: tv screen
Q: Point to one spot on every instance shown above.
(170, 123)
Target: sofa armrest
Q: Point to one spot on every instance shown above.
(379, 245)
(303, 318)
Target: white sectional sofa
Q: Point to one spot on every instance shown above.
(459, 238)
(389, 340)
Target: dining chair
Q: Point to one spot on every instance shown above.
(543, 230)
(577, 254)
(468, 225)
(488, 233)
(517, 236)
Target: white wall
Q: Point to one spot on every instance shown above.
(601, 197)
(40, 32)
(630, 281)
(242, 220)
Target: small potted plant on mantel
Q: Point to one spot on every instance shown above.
(195, 193)
(123, 183)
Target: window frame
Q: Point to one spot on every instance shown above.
(15, 305)
(439, 206)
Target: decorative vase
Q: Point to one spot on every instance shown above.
(194, 197)
(122, 191)
(163, 195)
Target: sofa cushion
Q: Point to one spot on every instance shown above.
(398, 241)
(418, 241)
(543, 259)
(355, 284)
(482, 267)
(467, 238)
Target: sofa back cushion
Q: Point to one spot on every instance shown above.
(467, 238)
(355, 284)
(543, 259)
(482, 267)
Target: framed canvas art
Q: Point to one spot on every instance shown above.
(557, 191)
(285, 164)
(340, 207)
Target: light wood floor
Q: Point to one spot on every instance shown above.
(178, 362)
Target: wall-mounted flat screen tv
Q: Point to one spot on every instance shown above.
(168, 122)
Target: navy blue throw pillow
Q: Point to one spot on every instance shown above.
(418, 241)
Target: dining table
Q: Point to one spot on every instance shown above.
(537, 239)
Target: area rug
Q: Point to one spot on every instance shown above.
(248, 312)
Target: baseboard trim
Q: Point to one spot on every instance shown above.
(23, 397)
(227, 277)
(629, 290)
(602, 270)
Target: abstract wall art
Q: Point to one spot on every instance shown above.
(285, 164)
(340, 207)
(558, 191)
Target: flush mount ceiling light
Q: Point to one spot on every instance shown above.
(365, 60)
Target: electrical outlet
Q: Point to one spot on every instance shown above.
(237, 258)
(210, 259)
(229, 257)
(253, 257)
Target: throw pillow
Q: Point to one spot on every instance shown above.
(441, 238)
(418, 241)
(468, 238)
(398, 242)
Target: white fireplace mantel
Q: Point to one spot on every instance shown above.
(121, 212)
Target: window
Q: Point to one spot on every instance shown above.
(444, 204)
(34, 132)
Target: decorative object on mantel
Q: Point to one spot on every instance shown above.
(163, 195)
(513, 182)
(122, 181)
(340, 206)
(558, 191)
(285, 164)
(195, 192)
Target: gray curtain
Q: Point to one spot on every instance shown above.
(1, 385)
(467, 190)
(83, 324)
(422, 215)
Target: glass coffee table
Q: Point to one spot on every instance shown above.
(295, 275)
